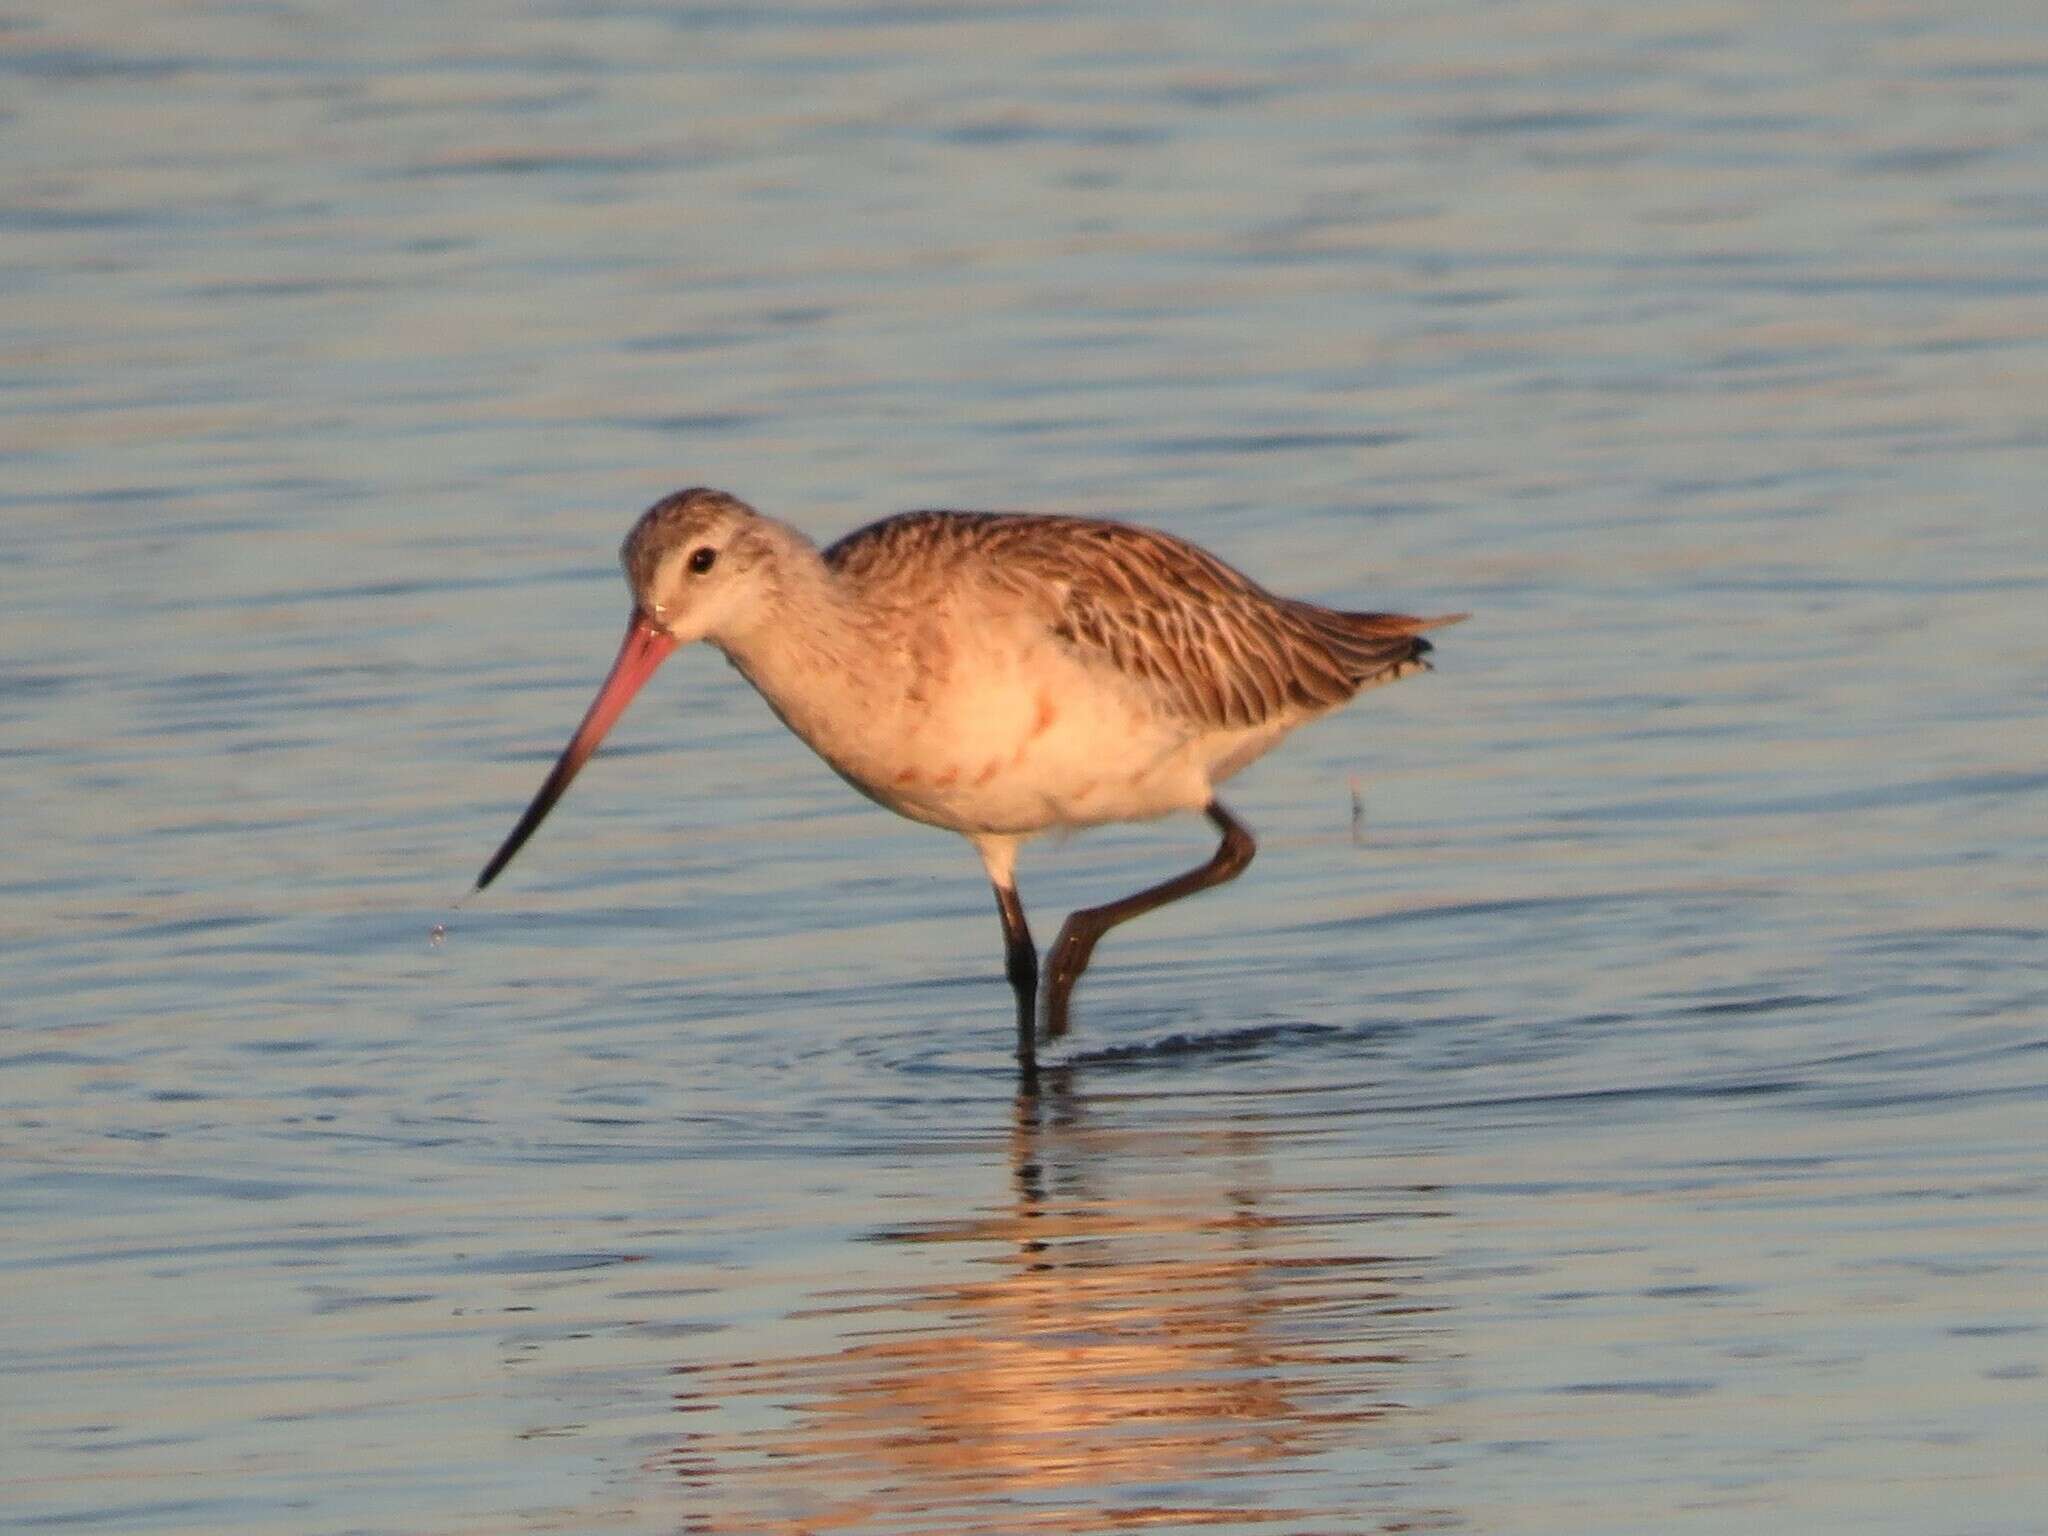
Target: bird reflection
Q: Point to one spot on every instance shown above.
(1158, 1325)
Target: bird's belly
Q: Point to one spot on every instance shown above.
(1039, 802)
(1030, 759)
(1042, 796)
(1022, 738)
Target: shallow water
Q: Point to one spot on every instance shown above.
(1637, 1125)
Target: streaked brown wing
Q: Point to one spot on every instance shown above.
(1204, 640)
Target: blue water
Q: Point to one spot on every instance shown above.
(1631, 1119)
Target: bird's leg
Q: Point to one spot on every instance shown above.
(1020, 957)
(1077, 939)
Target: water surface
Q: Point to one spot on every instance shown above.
(1637, 1124)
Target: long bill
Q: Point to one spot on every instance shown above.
(644, 649)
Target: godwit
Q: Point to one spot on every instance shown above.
(998, 674)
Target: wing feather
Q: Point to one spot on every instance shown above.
(1204, 640)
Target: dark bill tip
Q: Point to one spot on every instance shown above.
(643, 649)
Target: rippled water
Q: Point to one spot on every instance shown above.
(1637, 1125)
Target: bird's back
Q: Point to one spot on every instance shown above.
(1204, 640)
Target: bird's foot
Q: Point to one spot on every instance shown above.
(1069, 959)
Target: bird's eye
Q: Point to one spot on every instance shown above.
(701, 560)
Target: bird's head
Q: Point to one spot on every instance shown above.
(697, 562)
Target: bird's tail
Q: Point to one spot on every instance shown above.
(1377, 648)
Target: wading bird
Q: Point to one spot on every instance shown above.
(998, 674)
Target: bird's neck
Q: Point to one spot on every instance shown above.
(800, 648)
